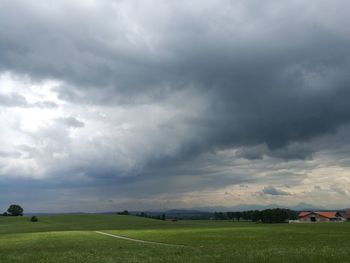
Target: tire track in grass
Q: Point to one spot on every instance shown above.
(138, 240)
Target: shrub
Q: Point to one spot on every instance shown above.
(125, 212)
(34, 219)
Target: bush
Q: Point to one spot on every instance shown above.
(34, 219)
(125, 212)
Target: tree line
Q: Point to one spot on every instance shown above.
(159, 217)
(143, 214)
(276, 215)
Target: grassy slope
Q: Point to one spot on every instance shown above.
(259, 242)
(207, 241)
(76, 222)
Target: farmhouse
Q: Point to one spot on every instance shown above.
(347, 214)
(320, 217)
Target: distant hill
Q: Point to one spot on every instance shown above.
(204, 212)
(242, 207)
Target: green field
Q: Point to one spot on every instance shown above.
(71, 238)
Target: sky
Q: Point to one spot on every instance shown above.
(133, 104)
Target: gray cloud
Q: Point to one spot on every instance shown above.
(163, 92)
(45, 104)
(7, 154)
(293, 151)
(13, 100)
(270, 190)
(71, 122)
(17, 100)
(339, 190)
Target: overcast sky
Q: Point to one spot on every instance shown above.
(132, 104)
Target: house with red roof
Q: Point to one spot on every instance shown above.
(311, 216)
(347, 214)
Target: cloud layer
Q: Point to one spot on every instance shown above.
(139, 100)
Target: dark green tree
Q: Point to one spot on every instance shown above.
(220, 216)
(256, 216)
(276, 215)
(230, 215)
(15, 210)
(238, 216)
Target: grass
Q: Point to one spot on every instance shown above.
(69, 238)
(76, 222)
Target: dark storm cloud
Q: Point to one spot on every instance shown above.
(294, 151)
(265, 78)
(282, 80)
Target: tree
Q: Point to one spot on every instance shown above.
(256, 216)
(15, 210)
(276, 215)
(230, 215)
(163, 217)
(238, 216)
(220, 216)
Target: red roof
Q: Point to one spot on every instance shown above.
(302, 214)
(327, 214)
(324, 214)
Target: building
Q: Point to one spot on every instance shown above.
(310, 216)
(347, 214)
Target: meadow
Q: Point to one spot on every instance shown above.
(71, 238)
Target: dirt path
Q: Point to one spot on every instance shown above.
(138, 240)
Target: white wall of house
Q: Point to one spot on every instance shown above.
(317, 217)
